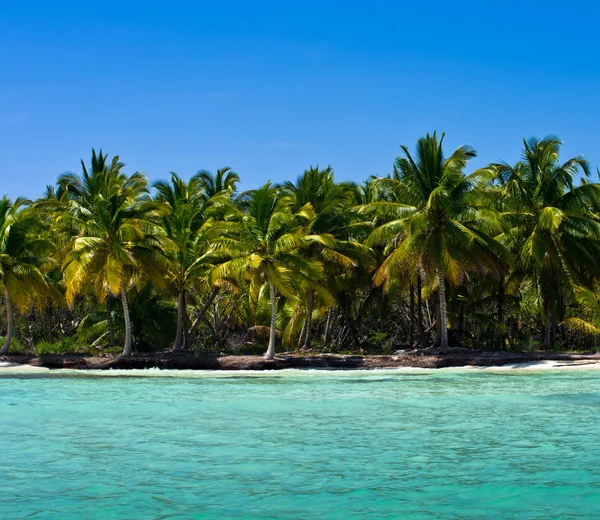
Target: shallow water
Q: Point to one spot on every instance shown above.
(293, 444)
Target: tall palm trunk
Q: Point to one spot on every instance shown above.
(420, 311)
(186, 325)
(554, 327)
(127, 346)
(443, 328)
(270, 354)
(9, 323)
(500, 315)
(109, 321)
(547, 325)
(309, 311)
(547, 279)
(180, 322)
(411, 315)
(302, 335)
(328, 325)
(381, 308)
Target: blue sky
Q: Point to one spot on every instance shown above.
(272, 87)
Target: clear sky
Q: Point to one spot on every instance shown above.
(270, 88)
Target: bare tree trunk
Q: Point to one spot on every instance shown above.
(109, 321)
(443, 320)
(347, 321)
(185, 324)
(411, 315)
(327, 332)
(308, 323)
(420, 311)
(127, 346)
(381, 308)
(548, 303)
(554, 327)
(205, 307)
(180, 324)
(9, 323)
(270, 354)
(501, 311)
(302, 335)
(547, 324)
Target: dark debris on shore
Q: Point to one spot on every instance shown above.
(189, 361)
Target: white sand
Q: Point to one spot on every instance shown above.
(17, 367)
(583, 364)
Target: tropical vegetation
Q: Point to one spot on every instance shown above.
(431, 254)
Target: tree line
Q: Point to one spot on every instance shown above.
(504, 257)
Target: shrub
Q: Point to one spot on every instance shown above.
(16, 347)
(63, 346)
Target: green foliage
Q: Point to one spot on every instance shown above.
(504, 257)
(16, 347)
(63, 346)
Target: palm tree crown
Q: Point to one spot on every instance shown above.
(552, 223)
(435, 220)
(116, 240)
(22, 255)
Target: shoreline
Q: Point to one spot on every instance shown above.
(453, 358)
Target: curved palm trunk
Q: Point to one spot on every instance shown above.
(443, 328)
(180, 322)
(109, 321)
(309, 311)
(127, 346)
(270, 354)
(9, 323)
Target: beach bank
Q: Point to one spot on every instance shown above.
(406, 359)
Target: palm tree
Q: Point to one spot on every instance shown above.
(266, 250)
(326, 231)
(553, 227)
(22, 256)
(224, 180)
(115, 241)
(189, 229)
(435, 221)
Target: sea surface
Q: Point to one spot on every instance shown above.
(470, 444)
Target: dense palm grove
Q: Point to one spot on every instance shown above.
(505, 257)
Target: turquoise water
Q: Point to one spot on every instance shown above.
(385, 444)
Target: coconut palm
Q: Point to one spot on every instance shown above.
(267, 250)
(22, 255)
(435, 220)
(224, 180)
(553, 228)
(190, 228)
(327, 231)
(115, 239)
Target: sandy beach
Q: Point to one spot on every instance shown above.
(549, 364)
